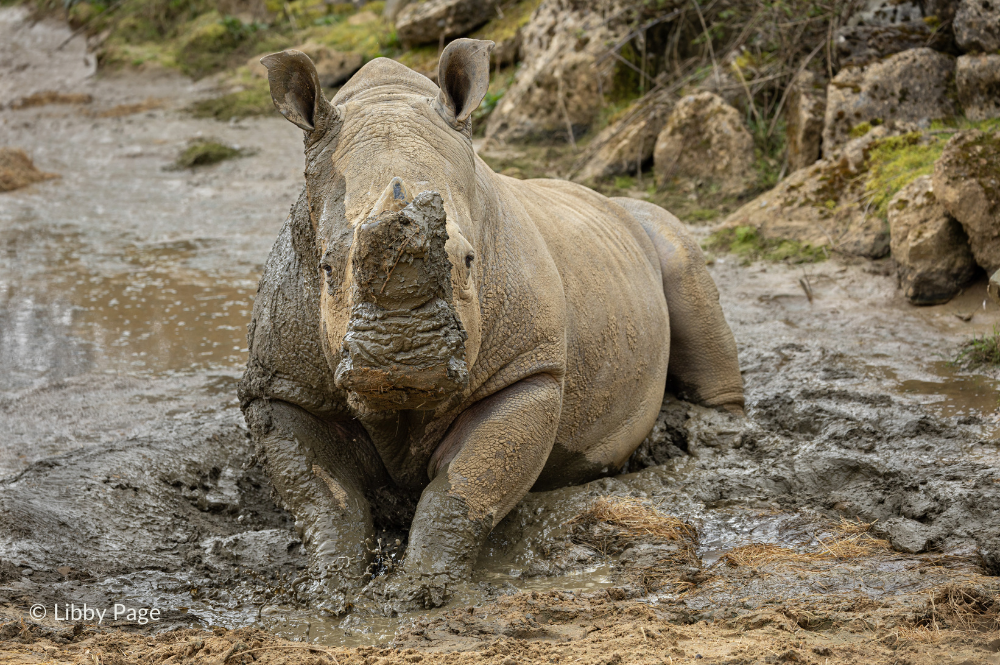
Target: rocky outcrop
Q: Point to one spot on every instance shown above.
(333, 67)
(931, 250)
(967, 183)
(909, 88)
(804, 112)
(978, 80)
(885, 27)
(704, 139)
(392, 9)
(429, 21)
(821, 206)
(559, 87)
(17, 170)
(626, 144)
(977, 26)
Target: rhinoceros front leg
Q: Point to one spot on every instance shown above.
(490, 458)
(319, 471)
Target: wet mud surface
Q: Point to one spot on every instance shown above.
(860, 493)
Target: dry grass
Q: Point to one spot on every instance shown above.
(636, 517)
(965, 608)
(851, 540)
(610, 524)
(148, 104)
(50, 97)
(17, 170)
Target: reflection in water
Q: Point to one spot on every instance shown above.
(959, 394)
(156, 316)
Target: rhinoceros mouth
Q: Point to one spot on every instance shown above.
(404, 359)
(404, 347)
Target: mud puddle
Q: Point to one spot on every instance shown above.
(125, 290)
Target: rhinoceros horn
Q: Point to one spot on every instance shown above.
(405, 345)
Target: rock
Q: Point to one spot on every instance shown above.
(428, 21)
(333, 67)
(392, 9)
(930, 248)
(17, 170)
(725, 84)
(507, 31)
(978, 80)
(993, 288)
(559, 87)
(820, 206)
(626, 144)
(884, 27)
(967, 183)
(804, 111)
(977, 26)
(704, 139)
(909, 87)
(907, 535)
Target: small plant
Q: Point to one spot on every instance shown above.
(745, 242)
(203, 152)
(896, 161)
(253, 100)
(980, 351)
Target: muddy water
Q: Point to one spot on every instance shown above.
(125, 289)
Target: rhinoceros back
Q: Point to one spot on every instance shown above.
(286, 359)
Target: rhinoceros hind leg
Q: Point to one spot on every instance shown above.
(703, 367)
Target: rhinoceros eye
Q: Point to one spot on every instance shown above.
(468, 260)
(327, 269)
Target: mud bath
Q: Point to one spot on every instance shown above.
(125, 290)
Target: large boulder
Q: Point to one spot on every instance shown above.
(821, 206)
(909, 88)
(333, 67)
(17, 170)
(884, 27)
(626, 144)
(432, 20)
(704, 139)
(967, 182)
(804, 112)
(931, 249)
(977, 26)
(559, 87)
(977, 78)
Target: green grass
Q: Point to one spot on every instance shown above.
(896, 161)
(980, 352)
(253, 100)
(205, 152)
(745, 242)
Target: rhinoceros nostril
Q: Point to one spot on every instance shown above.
(468, 260)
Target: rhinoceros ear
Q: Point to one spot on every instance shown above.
(295, 88)
(464, 76)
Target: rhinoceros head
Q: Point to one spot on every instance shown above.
(392, 189)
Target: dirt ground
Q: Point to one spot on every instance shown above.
(852, 517)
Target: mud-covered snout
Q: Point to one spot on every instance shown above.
(405, 345)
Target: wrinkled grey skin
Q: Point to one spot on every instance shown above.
(431, 340)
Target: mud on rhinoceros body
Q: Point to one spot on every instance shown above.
(429, 332)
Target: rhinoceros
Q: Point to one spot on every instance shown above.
(432, 340)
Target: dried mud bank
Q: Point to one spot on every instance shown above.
(852, 516)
